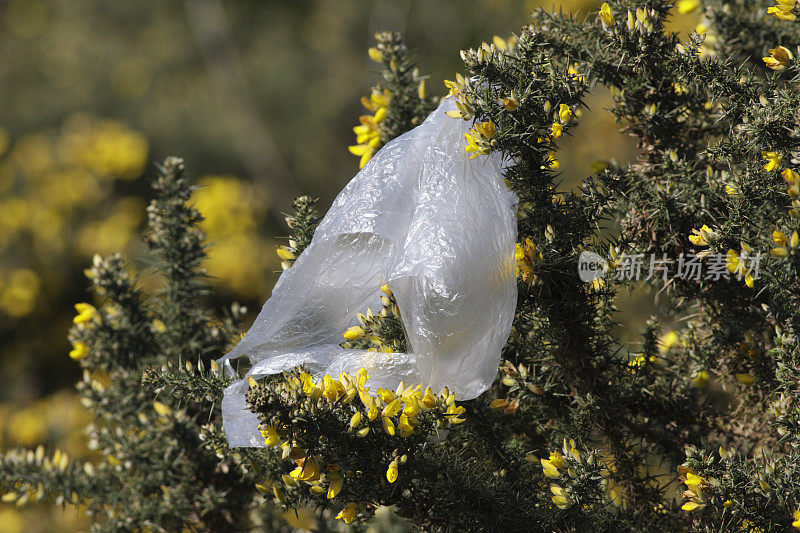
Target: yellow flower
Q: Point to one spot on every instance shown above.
(86, 313)
(574, 73)
(779, 58)
(687, 6)
(392, 408)
(79, 351)
(557, 459)
(375, 55)
(456, 87)
(368, 135)
(307, 470)
(428, 401)
(703, 236)
(388, 426)
(550, 470)
(391, 472)
(284, 254)
(693, 480)
(271, 436)
(355, 420)
(796, 522)
(606, 16)
(692, 506)
(560, 497)
(784, 10)
(526, 258)
(454, 412)
(773, 160)
(480, 139)
(354, 333)
(556, 130)
(336, 482)
(348, 514)
(564, 113)
(785, 244)
(737, 264)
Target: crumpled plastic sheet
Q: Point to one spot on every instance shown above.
(440, 229)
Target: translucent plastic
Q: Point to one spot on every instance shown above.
(440, 229)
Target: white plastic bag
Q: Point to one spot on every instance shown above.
(440, 229)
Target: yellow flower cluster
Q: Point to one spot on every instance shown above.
(736, 263)
(397, 410)
(786, 245)
(779, 58)
(574, 74)
(784, 10)
(703, 237)
(639, 361)
(793, 181)
(642, 21)
(527, 257)
(371, 326)
(368, 133)
(233, 213)
(86, 317)
(480, 139)
(460, 90)
(556, 466)
(697, 489)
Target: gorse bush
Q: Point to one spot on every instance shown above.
(693, 428)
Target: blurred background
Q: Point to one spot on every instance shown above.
(259, 97)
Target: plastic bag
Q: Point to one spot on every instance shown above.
(435, 226)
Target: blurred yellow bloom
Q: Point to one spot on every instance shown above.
(19, 293)
(162, 409)
(701, 379)
(746, 379)
(79, 351)
(796, 522)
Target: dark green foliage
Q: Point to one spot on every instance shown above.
(693, 429)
